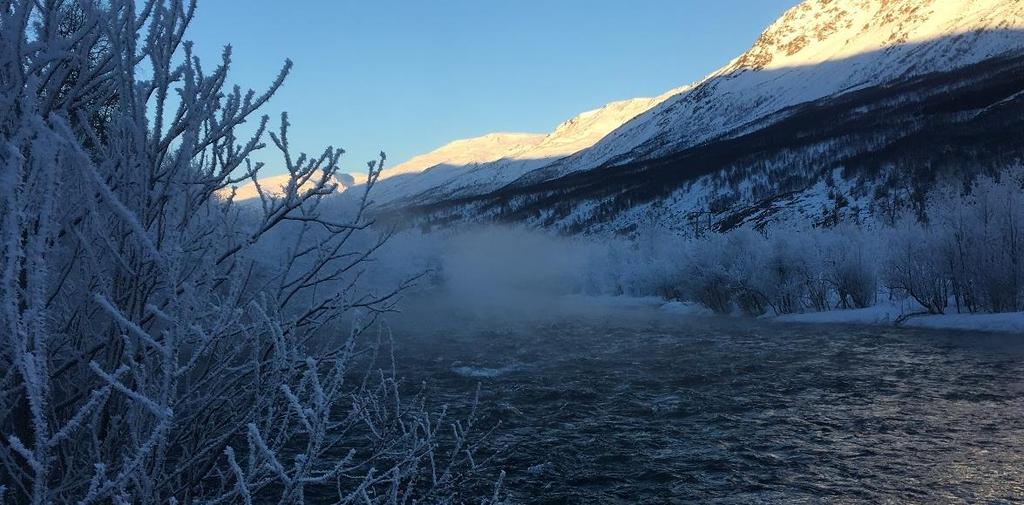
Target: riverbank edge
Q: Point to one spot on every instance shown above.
(909, 317)
(891, 314)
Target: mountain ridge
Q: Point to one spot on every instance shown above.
(781, 69)
(817, 50)
(570, 136)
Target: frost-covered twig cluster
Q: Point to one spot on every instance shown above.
(161, 343)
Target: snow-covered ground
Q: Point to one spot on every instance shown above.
(883, 314)
(887, 314)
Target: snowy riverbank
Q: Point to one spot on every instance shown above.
(886, 314)
(883, 314)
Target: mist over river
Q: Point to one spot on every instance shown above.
(629, 404)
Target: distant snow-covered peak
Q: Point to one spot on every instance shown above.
(463, 152)
(275, 185)
(491, 161)
(433, 169)
(586, 128)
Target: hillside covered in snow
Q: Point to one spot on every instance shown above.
(839, 110)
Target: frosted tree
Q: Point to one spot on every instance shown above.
(980, 243)
(151, 351)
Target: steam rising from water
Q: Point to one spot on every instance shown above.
(507, 273)
(505, 268)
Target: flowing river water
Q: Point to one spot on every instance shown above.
(632, 405)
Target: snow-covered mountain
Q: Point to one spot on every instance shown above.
(826, 53)
(482, 149)
(474, 166)
(274, 185)
(449, 161)
(460, 153)
(816, 49)
(486, 163)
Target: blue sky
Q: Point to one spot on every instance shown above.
(408, 76)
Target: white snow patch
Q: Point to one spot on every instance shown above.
(1008, 322)
(884, 314)
(887, 314)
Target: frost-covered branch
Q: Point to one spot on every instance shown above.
(161, 342)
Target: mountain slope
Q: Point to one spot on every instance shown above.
(867, 154)
(817, 49)
(736, 138)
(449, 172)
(274, 185)
(448, 161)
(459, 153)
(481, 149)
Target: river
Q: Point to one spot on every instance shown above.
(633, 405)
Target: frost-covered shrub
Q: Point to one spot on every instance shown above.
(981, 243)
(852, 262)
(856, 284)
(782, 273)
(998, 212)
(719, 272)
(748, 266)
(713, 289)
(744, 270)
(707, 279)
(613, 270)
(162, 343)
(656, 267)
(817, 283)
(914, 268)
